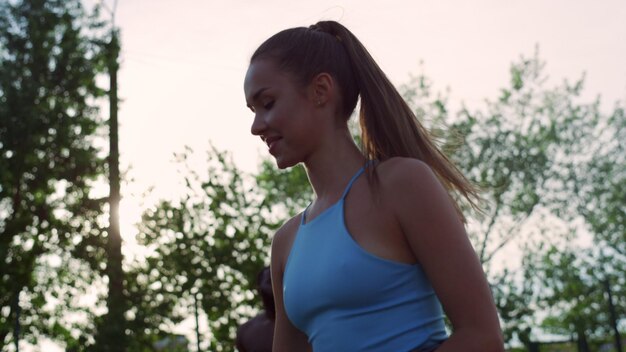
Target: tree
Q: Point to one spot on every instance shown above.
(573, 299)
(509, 150)
(112, 327)
(287, 192)
(547, 157)
(209, 245)
(588, 283)
(48, 163)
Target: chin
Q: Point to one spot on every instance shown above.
(285, 163)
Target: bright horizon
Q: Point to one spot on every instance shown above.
(183, 63)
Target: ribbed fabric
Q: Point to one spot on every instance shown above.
(346, 299)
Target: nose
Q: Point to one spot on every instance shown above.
(258, 125)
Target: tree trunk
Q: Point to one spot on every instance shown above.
(613, 316)
(582, 344)
(113, 330)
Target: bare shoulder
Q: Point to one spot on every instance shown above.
(411, 190)
(283, 240)
(400, 175)
(399, 168)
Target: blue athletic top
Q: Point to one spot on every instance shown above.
(346, 299)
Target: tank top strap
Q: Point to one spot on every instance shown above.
(345, 192)
(358, 173)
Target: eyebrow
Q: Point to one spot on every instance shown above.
(256, 95)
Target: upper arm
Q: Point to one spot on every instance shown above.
(286, 336)
(437, 237)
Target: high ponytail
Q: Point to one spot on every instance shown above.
(388, 126)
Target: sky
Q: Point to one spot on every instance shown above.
(183, 64)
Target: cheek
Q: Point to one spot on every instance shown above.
(283, 118)
(276, 118)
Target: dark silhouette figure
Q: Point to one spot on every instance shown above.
(256, 335)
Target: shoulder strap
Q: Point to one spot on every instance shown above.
(345, 192)
(358, 173)
(303, 217)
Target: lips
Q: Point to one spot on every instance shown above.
(271, 141)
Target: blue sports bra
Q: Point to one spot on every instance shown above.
(346, 299)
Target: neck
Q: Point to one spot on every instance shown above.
(330, 168)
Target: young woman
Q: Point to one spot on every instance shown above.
(381, 253)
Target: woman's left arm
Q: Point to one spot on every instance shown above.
(438, 240)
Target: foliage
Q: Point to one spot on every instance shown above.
(211, 244)
(599, 181)
(604, 205)
(514, 297)
(575, 281)
(287, 192)
(49, 235)
(508, 151)
(545, 157)
(573, 298)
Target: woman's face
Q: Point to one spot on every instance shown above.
(284, 113)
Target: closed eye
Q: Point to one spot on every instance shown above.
(268, 105)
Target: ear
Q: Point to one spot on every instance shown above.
(322, 89)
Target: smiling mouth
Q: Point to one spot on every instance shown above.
(271, 141)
